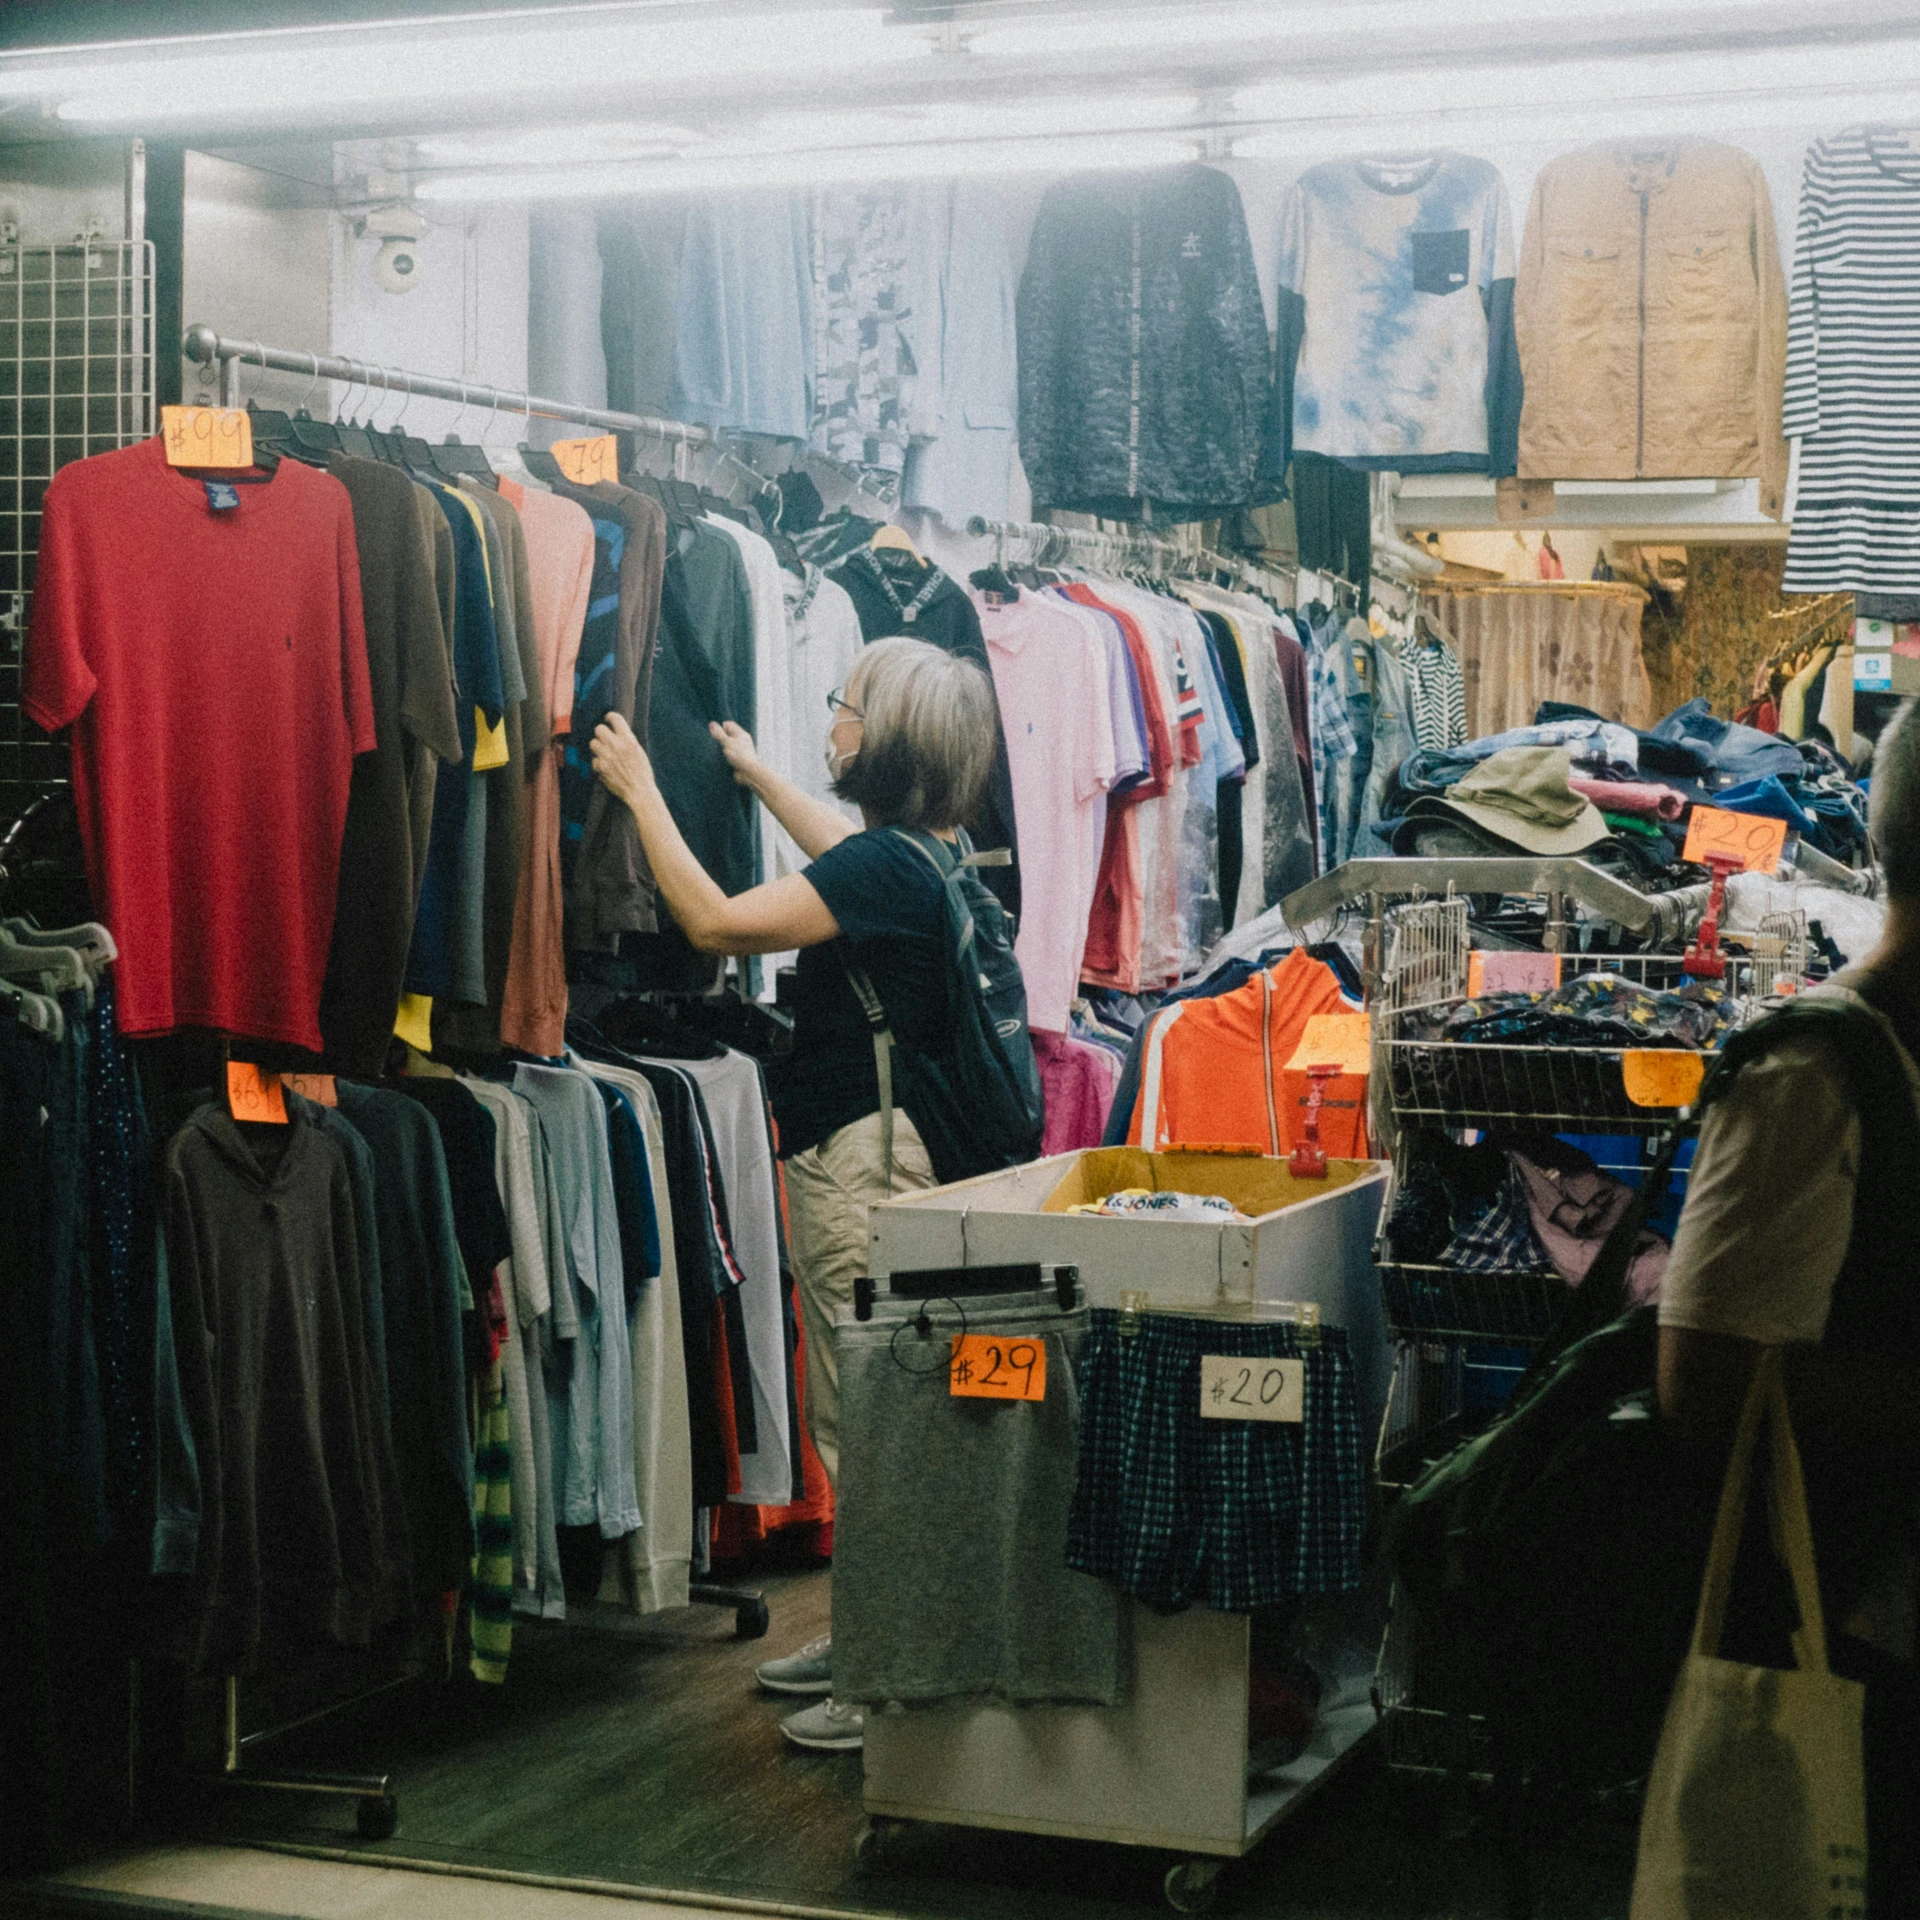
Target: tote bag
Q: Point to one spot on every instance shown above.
(1756, 1806)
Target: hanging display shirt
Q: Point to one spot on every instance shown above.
(1852, 399)
(863, 358)
(743, 326)
(823, 642)
(609, 885)
(212, 661)
(1050, 675)
(960, 461)
(1652, 318)
(1143, 348)
(411, 679)
(560, 547)
(1396, 317)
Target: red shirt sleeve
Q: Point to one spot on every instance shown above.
(355, 682)
(58, 682)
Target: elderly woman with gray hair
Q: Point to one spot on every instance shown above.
(910, 743)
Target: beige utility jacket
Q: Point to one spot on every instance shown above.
(1651, 314)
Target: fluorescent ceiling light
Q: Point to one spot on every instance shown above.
(1474, 128)
(541, 146)
(1043, 117)
(1268, 26)
(847, 166)
(1561, 86)
(251, 77)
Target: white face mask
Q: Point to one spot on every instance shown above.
(837, 762)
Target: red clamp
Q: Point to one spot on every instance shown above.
(1704, 959)
(1308, 1161)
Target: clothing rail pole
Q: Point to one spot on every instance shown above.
(208, 348)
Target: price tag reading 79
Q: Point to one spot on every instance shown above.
(988, 1366)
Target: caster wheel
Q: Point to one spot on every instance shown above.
(752, 1621)
(1193, 1886)
(378, 1819)
(873, 1844)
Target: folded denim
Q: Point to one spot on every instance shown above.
(1733, 750)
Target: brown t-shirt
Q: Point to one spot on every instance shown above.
(413, 716)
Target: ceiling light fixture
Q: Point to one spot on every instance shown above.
(840, 167)
(476, 61)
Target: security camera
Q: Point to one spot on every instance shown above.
(396, 267)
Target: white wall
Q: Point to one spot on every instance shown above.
(465, 319)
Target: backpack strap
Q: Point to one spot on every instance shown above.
(883, 1044)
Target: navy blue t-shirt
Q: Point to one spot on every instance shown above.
(891, 906)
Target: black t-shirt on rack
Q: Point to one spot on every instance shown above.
(883, 584)
(891, 906)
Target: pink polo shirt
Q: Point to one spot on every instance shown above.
(1050, 675)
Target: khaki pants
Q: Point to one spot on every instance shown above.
(829, 1191)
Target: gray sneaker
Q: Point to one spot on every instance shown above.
(808, 1671)
(827, 1728)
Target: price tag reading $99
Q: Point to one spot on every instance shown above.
(1232, 1389)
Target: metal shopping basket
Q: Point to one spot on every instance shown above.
(1543, 1088)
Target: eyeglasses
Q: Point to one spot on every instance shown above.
(837, 705)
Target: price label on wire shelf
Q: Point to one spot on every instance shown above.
(1755, 842)
(206, 436)
(1662, 1076)
(254, 1094)
(990, 1366)
(585, 461)
(1233, 1389)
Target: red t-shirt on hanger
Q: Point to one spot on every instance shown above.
(212, 663)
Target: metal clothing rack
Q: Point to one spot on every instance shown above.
(378, 1811)
(1101, 548)
(1659, 918)
(207, 348)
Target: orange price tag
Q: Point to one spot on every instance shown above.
(253, 1094)
(1756, 843)
(989, 1366)
(585, 461)
(1340, 1040)
(1662, 1076)
(317, 1087)
(207, 436)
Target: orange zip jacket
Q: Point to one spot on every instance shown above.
(1215, 1070)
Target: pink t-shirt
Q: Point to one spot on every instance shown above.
(1050, 674)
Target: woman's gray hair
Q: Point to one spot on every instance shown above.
(926, 747)
(1893, 805)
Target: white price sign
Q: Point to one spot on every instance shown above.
(1873, 672)
(1233, 1389)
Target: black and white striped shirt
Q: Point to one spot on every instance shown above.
(1853, 366)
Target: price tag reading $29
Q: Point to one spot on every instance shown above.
(990, 1366)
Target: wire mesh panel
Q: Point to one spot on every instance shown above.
(76, 378)
(1447, 1302)
(1454, 1083)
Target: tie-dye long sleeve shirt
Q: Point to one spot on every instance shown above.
(1396, 317)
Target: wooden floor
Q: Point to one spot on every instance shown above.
(650, 1760)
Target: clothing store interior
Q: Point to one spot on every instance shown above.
(713, 713)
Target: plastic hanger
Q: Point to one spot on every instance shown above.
(61, 968)
(35, 1012)
(94, 944)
